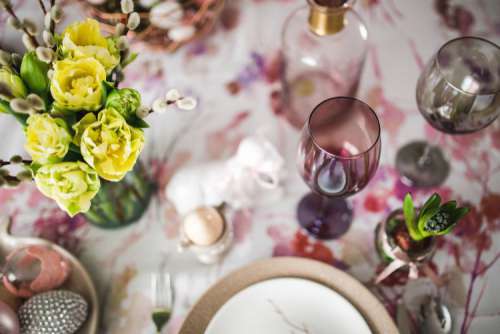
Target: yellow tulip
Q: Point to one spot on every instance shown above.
(111, 146)
(77, 84)
(71, 184)
(47, 138)
(84, 39)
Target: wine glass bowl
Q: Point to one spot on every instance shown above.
(339, 148)
(459, 90)
(457, 93)
(338, 154)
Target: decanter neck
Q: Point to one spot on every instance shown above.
(327, 17)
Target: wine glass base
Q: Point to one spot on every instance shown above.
(430, 173)
(323, 217)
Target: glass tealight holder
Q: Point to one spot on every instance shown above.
(206, 233)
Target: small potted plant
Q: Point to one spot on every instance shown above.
(408, 236)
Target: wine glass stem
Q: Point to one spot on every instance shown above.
(426, 154)
(424, 158)
(318, 222)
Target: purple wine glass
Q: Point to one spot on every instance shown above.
(338, 154)
(457, 93)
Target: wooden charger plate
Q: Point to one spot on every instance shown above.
(373, 312)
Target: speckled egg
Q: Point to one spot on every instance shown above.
(53, 312)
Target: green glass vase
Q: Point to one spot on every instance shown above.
(119, 204)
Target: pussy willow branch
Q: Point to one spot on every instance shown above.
(42, 7)
(6, 163)
(53, 24)
(11, 12)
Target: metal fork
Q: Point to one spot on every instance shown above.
(162, 289)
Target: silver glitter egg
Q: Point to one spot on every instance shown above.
(53, 312)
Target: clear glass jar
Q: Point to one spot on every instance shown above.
(211, 253)
(119, 204)
(324, 48)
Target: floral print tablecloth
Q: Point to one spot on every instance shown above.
(233, 74)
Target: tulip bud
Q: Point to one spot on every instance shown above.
(11, 85)
(125, 101)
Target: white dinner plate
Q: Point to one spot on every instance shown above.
(287, 305)
(288, 295)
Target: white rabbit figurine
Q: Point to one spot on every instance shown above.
(240, 182)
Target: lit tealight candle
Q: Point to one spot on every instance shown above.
(203, 226)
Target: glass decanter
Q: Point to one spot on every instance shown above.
(324, 46)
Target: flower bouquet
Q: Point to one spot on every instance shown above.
(83, 133)
(165, 24)
(407, 237)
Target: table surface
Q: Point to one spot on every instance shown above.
(242, 52)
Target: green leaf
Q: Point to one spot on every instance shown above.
(5, 107)
(449, 207)
(459, 213)
(409, 214)
(70, 117)
(137, 122)
(73, 155)
(21, 118)
(35, 167)
(34, 74)
(432, 203)
(107, 88)
(74, 148)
